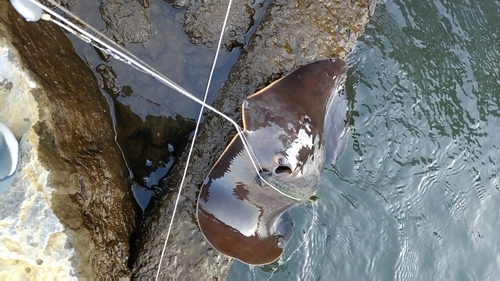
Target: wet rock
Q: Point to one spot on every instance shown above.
(291, 34)
(108, 81)
(126, 20)
(203, 21)
(156, 140)
(70, 211)
(146, 144)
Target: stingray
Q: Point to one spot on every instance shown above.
(293, 127)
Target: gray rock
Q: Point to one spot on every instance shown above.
(126, 20)
(203, 21)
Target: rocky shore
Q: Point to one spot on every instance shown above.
(291, 34)
(71, 211)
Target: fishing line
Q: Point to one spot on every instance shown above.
(121, 54)
(314, 218)
(125, 56)
(118, 52)
(194, 136)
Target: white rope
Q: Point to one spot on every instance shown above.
(194, 137)
(313, 219)
(119, 53)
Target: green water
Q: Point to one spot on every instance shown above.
(416, 195)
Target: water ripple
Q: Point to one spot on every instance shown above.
(415, 196)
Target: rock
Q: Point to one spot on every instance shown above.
(108, 78)
(70, 211)
(157, 140)
(203, 21)
(291, 34)
(126, 20)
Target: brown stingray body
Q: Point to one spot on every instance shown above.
(239, 214)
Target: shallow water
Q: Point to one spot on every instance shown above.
(415, 196)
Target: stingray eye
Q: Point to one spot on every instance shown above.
(284, 166)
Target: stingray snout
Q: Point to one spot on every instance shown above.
(279, 166)
(284, 167)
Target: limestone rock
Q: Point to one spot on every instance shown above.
(70, 211)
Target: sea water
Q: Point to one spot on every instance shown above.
(416, 195)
